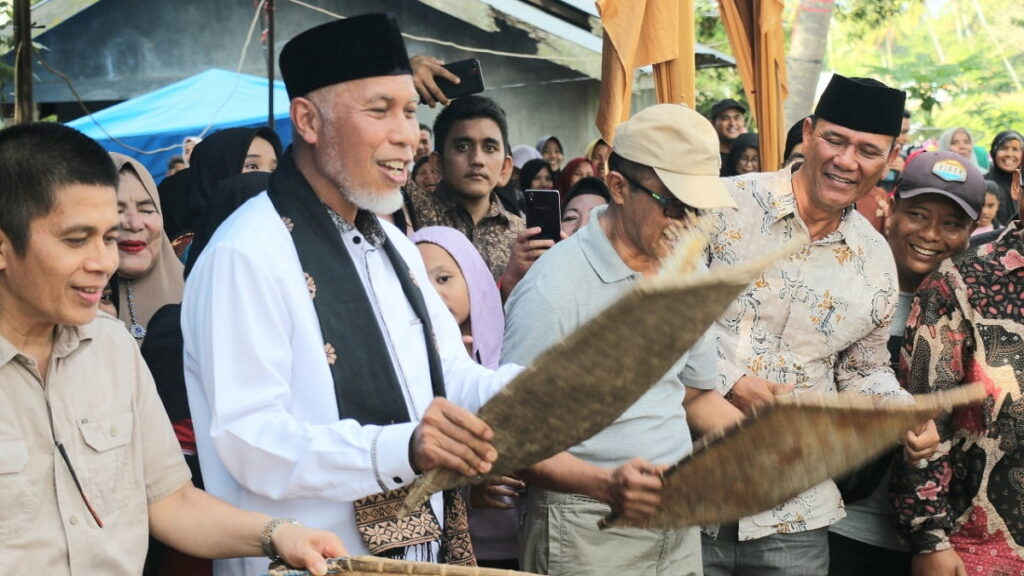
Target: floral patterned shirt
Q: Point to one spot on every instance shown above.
(492, 236)
(967, 325)
(818, 319)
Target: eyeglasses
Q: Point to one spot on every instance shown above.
(671, 207)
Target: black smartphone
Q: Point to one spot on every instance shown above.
(543, 209)
(470, 76)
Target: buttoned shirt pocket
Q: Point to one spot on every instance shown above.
(18, 498)
(109, 481)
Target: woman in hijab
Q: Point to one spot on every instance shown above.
(598, 152)
(960, 141)
(523, 153)
(173, 191)
(576, 170)
(465, 284)
(550, 149)
(744, 157)
(1007, 151)
(149, 275)
(224, 154)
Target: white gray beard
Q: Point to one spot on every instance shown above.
(376, 202)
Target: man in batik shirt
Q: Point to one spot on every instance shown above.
(817, 321)
(471, 145)
(963, 512)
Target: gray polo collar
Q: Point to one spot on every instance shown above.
(599, 252)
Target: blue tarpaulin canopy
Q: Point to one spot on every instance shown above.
(163, 118)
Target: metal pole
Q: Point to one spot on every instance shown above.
(24, 111)
(270, 63)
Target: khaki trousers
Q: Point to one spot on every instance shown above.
(560, 537)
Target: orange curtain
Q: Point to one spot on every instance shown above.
(675, 80)
(640, 33)
(754, 28)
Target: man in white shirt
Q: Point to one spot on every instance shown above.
(316, 366)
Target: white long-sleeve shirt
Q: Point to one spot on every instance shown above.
(261, 393)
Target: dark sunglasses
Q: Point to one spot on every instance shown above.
(671, 207)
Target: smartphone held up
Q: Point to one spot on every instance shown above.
(471, 79)
(543, 208)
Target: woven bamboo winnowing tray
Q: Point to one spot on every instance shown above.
(579, 386)
(786, 448)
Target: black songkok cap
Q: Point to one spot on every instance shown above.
(343, 50)
(862, 104)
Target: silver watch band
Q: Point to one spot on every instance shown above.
(267, 536)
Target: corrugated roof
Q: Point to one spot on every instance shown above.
(706, 57)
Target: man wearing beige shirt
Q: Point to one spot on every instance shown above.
(89, 465)
(815, 322)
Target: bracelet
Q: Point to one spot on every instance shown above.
(267, 536)
(729, 396)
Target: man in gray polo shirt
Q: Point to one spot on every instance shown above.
(663, 167)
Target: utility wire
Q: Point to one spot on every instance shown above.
(241, 60)
(213, 117)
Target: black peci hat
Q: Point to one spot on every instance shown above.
(343, 50)
(862, 104)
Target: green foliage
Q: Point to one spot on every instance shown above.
(864, 16)
(713, 84)
(945, 58)
(6, 44)
(930, 84)
(6, 25)
(980, 114)
(709, 28)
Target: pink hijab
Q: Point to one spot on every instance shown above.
(487, 319)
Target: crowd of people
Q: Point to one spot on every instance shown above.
(273, 338)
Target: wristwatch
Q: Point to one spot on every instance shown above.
(267, 536)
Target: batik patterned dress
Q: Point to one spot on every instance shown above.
(967, 325)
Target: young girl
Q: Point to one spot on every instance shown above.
(744, 157)
(466, 286)
(462, 279)
(986, 219)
